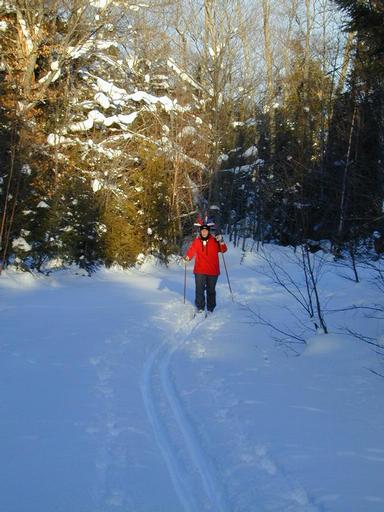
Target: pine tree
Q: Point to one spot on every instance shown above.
(362, 110)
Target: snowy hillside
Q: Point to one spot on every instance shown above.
(113, 398)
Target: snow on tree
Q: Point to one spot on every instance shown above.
(89, 109)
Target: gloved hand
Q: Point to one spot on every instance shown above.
(219, 238)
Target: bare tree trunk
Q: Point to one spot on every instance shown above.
(10, 224)
(343, 200)
(211, 48)
(3, 227)
(346, 62)
(324, 120)
(352, 253)
(307, 63)
(308, 29)
(270, 86)
(292, 15)
(309, 271)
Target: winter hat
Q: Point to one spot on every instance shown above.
(204, 223)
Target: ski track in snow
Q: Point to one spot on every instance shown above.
(163, 439)
(197, 482)
(210, 482)
(157, 367)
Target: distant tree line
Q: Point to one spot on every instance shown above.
(319, 171)
(120, 122)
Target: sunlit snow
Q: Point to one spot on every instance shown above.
(114, 398)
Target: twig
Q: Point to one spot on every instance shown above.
(366, 339)
(375, 372)
(267, 323)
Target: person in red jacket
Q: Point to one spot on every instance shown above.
(205, 249)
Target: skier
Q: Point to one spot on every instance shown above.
(205, 248)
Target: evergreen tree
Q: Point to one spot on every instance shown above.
(361, 108)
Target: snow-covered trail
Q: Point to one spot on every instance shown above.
(71, 411)
(164, 441)
(195, 479)
(113, 399)
(95, 420)
(92, 361)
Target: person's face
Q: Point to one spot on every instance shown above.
(204, 232)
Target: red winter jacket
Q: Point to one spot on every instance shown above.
(207, 255)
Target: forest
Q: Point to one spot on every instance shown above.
(121, 121)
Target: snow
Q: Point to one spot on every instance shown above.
(103, 100)
(8, 6)
(101, 4)
(81, 126)
(188, 131)
(96, 116)
(26, 34)
(55, 140)
(166, 102)
(137, 7)
(96, 185)
(183, 75)
(107, 92)
(51, 76)
(89, 45)
(115, 93)
(239, 168)
(78, 51)
(250, 152)
(26, 169)
(122, 118)
(42, 204)
(21, 243)
(113, 398)
(110, 154)
(324, 344)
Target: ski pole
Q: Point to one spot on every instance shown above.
(226, 272)
(185, 279)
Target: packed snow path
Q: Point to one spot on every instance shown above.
(206, 493)
(112, 398)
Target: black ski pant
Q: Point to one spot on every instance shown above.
(205, 283)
